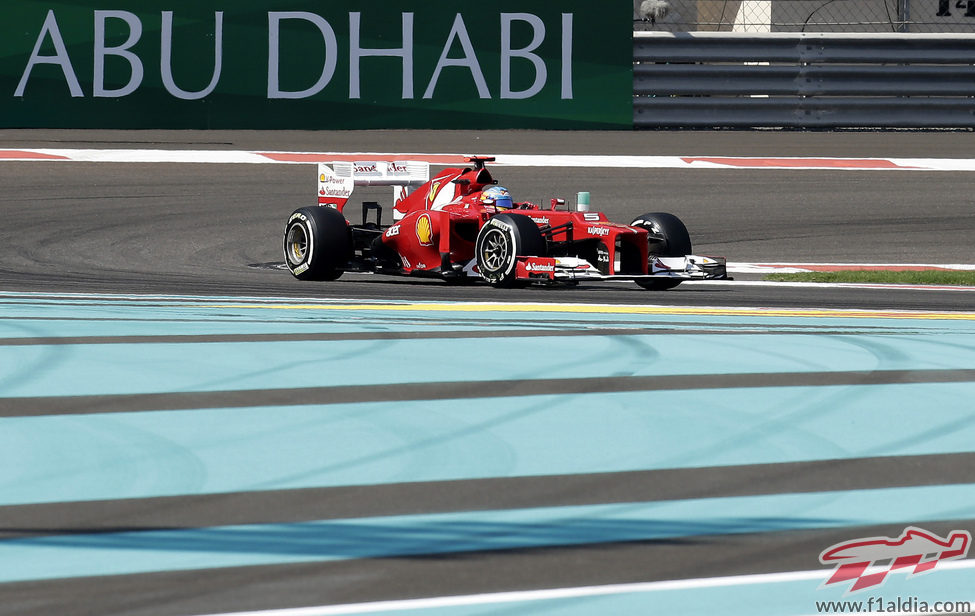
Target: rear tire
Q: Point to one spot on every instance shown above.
(675, 241)
(501, 241)
(317, 243)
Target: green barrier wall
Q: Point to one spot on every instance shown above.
(316, 65)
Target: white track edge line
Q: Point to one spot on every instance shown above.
(561, 593)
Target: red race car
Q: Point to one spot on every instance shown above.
(461, 226)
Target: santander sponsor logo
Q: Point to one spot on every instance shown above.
(532, 266)
(334, 190)
(366, 168)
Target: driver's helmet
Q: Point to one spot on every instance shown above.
(498, 196)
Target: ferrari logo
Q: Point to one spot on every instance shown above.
(433, 191)
(424, 230)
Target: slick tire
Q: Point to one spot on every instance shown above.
(317, 243)
(669, 238)
(500, 241)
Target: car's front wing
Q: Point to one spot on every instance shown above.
(689, 267)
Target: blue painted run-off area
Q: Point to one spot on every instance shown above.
(134, 455)
(83, 457)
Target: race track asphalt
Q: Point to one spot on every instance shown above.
(214, 230)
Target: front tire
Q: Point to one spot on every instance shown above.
(317, 243)
(669, 238)
(501, 241)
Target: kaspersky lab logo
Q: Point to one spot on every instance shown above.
(867, 562)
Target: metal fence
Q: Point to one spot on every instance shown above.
(868, 16)
(803, 80)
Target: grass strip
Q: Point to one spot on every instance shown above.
(924, 277)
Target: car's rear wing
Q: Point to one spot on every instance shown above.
(336, 182)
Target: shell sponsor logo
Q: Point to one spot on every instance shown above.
(424, 230)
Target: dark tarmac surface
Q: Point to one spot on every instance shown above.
(215, 228)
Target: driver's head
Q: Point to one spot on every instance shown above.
(498, 196)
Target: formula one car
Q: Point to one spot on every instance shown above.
(461, 226)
